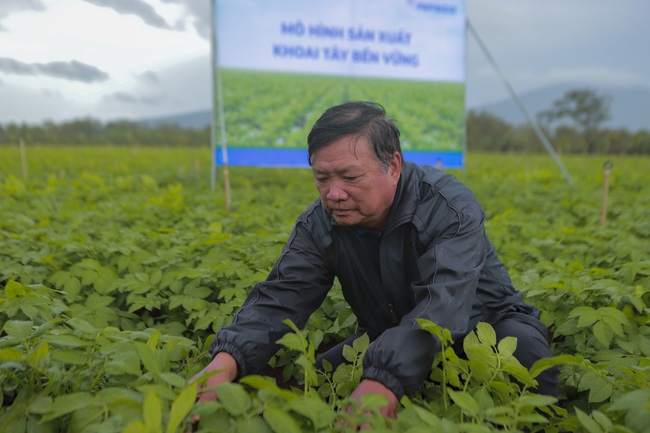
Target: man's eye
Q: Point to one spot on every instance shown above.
(350, 178)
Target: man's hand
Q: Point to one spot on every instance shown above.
(227, 367)
(368, 386)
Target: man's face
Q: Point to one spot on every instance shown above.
(354, 189)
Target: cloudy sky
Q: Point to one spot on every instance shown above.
(108, 59)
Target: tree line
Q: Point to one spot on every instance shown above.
(89, 132)
(486, 132)
(573, 125)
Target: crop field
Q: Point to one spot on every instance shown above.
(431, 113)
(117, 265)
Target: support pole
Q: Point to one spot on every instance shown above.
(213, 138)
(603, 210)
(216, 79)
(531, 121)
(23, 158)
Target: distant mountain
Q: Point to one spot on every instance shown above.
(630, 106)
(192, 120)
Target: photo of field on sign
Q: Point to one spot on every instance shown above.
(277, 109)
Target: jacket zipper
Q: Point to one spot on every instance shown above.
(392, 313)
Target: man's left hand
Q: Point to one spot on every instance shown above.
(368, 386)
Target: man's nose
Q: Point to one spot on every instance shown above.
(336, 192)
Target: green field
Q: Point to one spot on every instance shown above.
(118, 264)
(277, 110)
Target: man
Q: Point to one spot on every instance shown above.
(405, 242)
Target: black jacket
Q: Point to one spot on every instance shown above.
(435, 262)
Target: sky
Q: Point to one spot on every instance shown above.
(136, 59)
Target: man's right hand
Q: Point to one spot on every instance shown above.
(226, 366)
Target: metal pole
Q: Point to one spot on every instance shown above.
(533, 123)
(222, 121)
(213, 139)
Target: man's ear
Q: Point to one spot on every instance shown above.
(395, 167)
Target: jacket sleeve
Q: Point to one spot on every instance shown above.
(449, 267)
(294, 289)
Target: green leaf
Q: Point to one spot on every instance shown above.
(644, 345)
(483, 398)
(349, 353)
(65, 356)
(152, 411)
(532, 418)
(41, 404)
(181, 407)
(135, 427)
(536, 400)
(361, 343)
(66, 340)
(587, 317)
(545, 363)
(234, 398)
(589, 424)
(602, 419)
(82, 325)
(152, 343)
(148, 359)
(633, 400)
(582, 311)
(465, 401)
(373, 401)
(38, 354)
(292, 341)
(13, 289)
(320, 413)
(507, 346)
(173, 379)
(603, 333)
(68, 282)
(66, 404)
(615, 323)
(10, 354)
(482, 354)
(280, 421)
(266, 384)
(597, 395)
(20, 329)
(251, 425)
(486, 334)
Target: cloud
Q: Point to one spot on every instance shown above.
(52, 94)
(139, 8)
(149, 77)
(122, 97)
(200, 11)
(72, 70)
(11, 6)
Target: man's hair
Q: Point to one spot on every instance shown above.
(357, 118)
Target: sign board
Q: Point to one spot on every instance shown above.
(280, 63)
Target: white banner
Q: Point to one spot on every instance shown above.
(402, 39)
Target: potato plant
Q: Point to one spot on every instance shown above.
(117, 265)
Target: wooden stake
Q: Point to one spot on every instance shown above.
(603, 210)
(23, 157)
